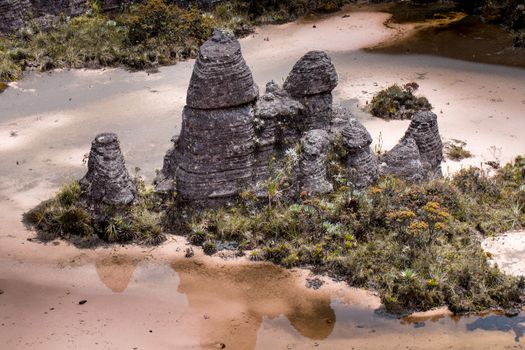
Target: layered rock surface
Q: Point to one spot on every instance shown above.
(277, 117)
(404, 161)
(216, 153)
(107, 181)
(311, 81)
(425, 132)
(230, 136)
(313, 74)
(313, 165)
(214, 158)
(221, 78)
(13, 14)
(361, 163)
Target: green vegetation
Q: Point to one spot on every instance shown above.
(417, 245)
(397, 102)
(272, 11)
(455, 150)
(65, 217)
(144, 36)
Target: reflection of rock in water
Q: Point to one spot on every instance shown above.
(501, 324)
(237, 297)
(115, 271)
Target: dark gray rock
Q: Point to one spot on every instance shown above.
(313, 74)
(107, 180)
(318, 111)
(404, 161)
(425, 132)
(217, 154)
(13, 14)
(221, 77)
(277, 116)
(361, 164)
(165, 180)
(313, 165)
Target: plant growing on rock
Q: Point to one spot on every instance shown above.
(417, 245)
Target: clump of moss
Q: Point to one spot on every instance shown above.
(455, 150)
(417, 245)
(397, 102)
(66, 217)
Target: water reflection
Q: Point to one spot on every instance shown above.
(237, 298)
(115, 271)
(500, 323)
(234, 304)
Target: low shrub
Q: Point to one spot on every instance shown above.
(417, 245)
(66, 217)
(397, 102)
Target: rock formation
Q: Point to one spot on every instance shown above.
(216, 154)
(313, 165)
(311, 81)
(214, 158)
(361, 163)
(425, 132)
(107, 181)
(404, 161)
(313, 74)
(13, 14)
(230, 136)
(277, 116)
(221, 78)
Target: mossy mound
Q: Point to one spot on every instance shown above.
(66, 217)
(397, 102)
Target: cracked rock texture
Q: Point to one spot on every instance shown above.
(425, 132)
(313, 74)
(311, 81)
(277, 117)
(313, 165)
(221, 78)
(361, 163)
(404, 161)
(216, 154)
(107, 180)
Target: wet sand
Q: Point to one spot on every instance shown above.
(47, 122)
(178, 303)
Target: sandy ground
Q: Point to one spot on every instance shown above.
(508, 252)
(154, 298)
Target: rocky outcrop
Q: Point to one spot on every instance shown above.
(404, 161)
(277, 116)
(311, 81)
(230, 136)
(313, 165)
(313, 74)
(361, 164)
(425, 132)
(214, 158)
(13, 14)
(217, 156)
(221, 78)
(107, 181)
